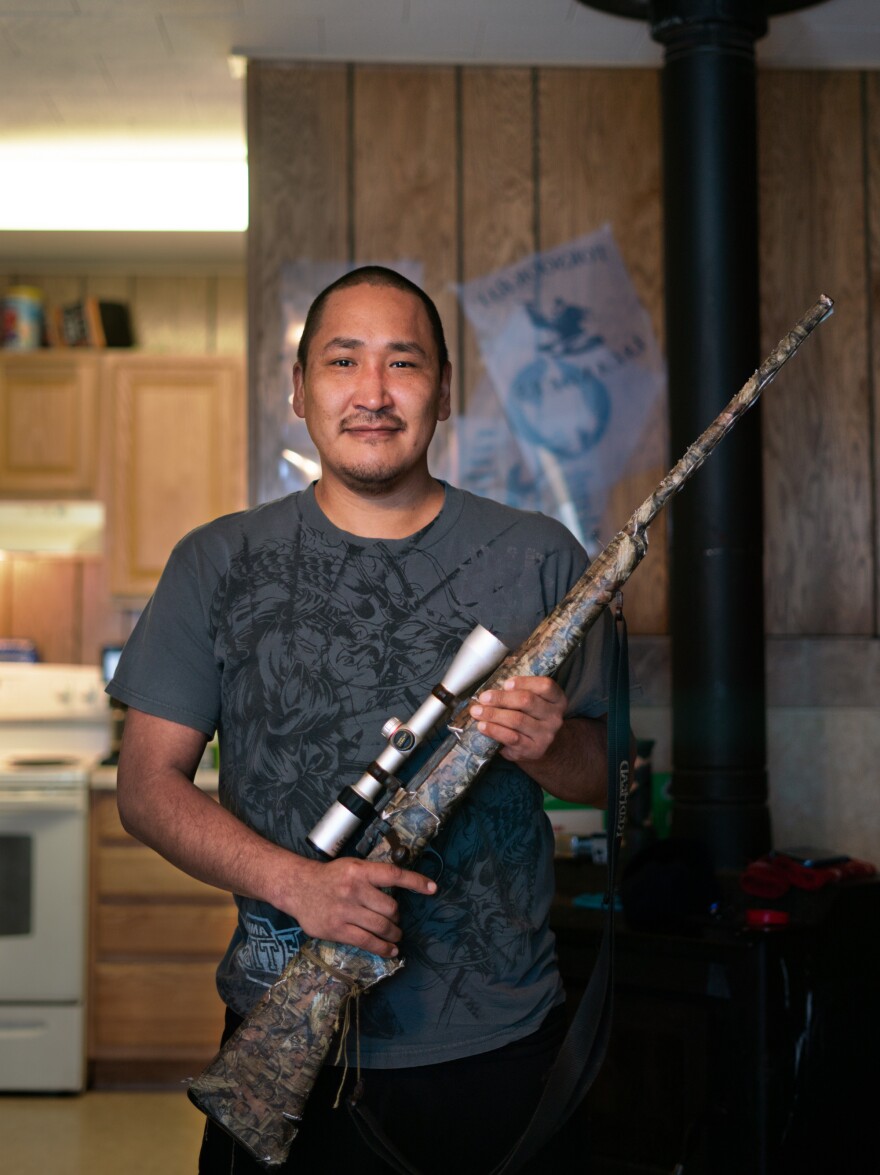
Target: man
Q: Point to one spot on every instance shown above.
(295, 629)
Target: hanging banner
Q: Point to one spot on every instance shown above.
(572, 400)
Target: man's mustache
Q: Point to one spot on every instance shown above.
(381, 418)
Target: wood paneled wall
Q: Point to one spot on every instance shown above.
(461, 170)
(467, 169)
(819, 172)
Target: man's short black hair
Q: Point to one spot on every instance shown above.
(371, 275)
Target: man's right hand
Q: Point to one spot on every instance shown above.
(345, 901)
(342, 900)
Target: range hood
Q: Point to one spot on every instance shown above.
(52, 528)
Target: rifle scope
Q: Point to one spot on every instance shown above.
(479, 654)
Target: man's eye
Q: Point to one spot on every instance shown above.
(402, 363)
(343, 362)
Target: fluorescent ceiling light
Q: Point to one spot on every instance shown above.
(124, 185)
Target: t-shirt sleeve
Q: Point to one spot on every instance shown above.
(168, 666)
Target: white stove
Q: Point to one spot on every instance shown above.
(54, 728)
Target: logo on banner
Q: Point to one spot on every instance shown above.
(574, 378)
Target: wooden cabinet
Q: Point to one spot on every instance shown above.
(49, 424)
(177, 452)
(159, 440)
(157, 936)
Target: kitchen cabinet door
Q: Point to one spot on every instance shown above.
(49, 424)
(178, 452)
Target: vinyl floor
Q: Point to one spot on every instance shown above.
(99, 1133)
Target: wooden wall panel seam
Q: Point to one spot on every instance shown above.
(871, 180)
(535, 79)
(459, 393)
(350, 161)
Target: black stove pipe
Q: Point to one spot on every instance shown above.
(710, 191)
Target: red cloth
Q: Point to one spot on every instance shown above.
(773, 875)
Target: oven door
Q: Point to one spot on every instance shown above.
(43, 894)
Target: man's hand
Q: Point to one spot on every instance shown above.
(345, 901)
(525, 716)
(565, 756)
(342, 900)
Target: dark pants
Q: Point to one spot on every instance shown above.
(460, 1118)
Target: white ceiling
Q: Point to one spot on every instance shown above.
(160, 66)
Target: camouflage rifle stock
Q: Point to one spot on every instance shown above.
(257, 1086)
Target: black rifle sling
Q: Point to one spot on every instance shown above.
(583, 1050)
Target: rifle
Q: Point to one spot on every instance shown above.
(257, 1086)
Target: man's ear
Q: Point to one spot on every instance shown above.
(444, 406)
(297, 400)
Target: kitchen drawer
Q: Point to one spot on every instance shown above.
(106, 824)
(157, 936)
(161, 929)
(158, 1010)
(137, 872)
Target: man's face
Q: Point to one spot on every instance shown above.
(372, 391)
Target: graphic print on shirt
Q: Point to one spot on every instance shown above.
(266, 948)
(321, 642)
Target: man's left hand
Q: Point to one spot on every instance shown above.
(524, 716)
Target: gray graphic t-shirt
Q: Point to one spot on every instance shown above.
(296, 641)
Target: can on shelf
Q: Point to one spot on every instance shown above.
(22, 318)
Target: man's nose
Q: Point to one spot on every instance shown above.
(372, 391)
